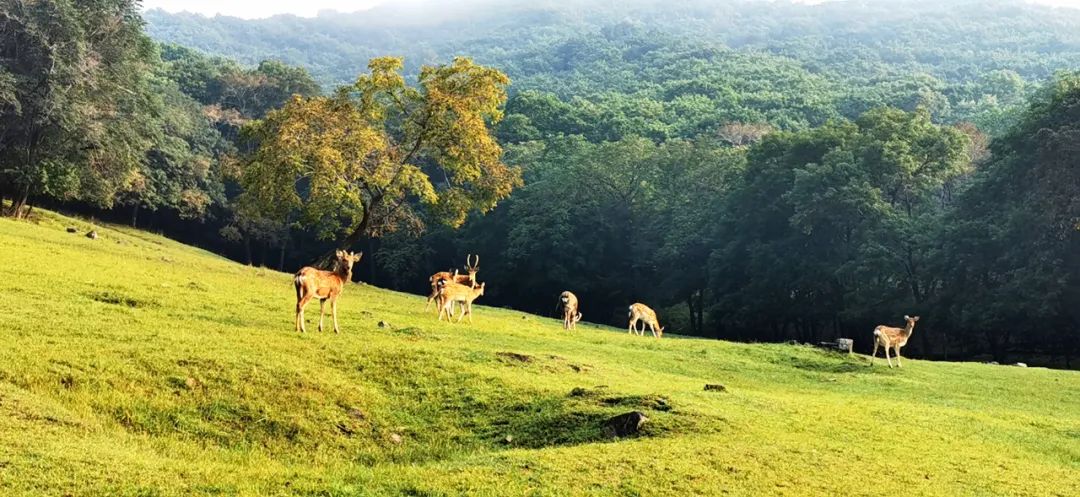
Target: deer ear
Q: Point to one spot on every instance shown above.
(916, 318)
(906, 317)
(339, 253)
(356, 257)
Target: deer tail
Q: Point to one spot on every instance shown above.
(298, 282)
(877, 331)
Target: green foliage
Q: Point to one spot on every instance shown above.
(74, 122)
(134, 365)
(360, 162)
(705, 61)
(1012, 244)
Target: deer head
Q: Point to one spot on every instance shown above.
(347, 259)
(472, 266)
(910, 321)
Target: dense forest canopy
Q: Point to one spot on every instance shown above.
(753, 170)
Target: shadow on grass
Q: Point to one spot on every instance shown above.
(825, 362)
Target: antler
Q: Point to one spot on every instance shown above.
(469, 264)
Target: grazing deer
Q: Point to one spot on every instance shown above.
(571, 316)
(451, 292)
(471, 268)
(326, 285)
(642, 312)
(893, 338)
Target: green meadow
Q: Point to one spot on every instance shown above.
(133, 365)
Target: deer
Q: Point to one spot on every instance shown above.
(893, 338)
(326, 285)
(571, 316)
(469, 278)
(642, 312)
(450, 292)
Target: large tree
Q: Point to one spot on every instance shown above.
(1011, 254)
(379, 155)
(73, 80)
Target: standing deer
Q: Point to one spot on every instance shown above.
(450, 292)
(471, 268)
(326, 285)
(642, 312)
(571, 316)
(893, 338)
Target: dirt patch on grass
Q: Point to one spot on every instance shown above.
(117, 298)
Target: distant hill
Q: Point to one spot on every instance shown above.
(953, 41)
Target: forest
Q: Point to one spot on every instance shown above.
(756, 171)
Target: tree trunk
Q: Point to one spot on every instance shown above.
(19, 203)
(281, 258)
(371, 260)
(690, 306)
(135, 215)
(247, 249)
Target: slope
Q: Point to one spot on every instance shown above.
(133, 365)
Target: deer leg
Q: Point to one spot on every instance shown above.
(333, 310)
(433, 297)
(322, 309)
(652, 329)
(641, 332)
(301, 326)
(887, 358)
(299, 319)
(874, 353)
(898, 357)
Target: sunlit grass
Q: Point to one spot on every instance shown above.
(133, 365)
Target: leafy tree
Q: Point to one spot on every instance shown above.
(378, 155)
(179, 170)
(858, 203)
(1011, 245)
(73, 78)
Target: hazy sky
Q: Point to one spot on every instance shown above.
(308, 8)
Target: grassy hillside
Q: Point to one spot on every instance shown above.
(132, 365)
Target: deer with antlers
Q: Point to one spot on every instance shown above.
(450, 292)
(469, 278)
(571, 316)
(642, 312)
(326, 285)
(893, 338)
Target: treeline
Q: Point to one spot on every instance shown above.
(763, 235)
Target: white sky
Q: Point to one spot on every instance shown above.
(253, 9)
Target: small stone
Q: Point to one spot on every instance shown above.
(715, 387)
(384, 324)
(92, 235)
(509, 439)
(72, 229)
(1021, 365)
(394, 437)
(625, 425)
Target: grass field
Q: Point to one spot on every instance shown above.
(133, 365)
